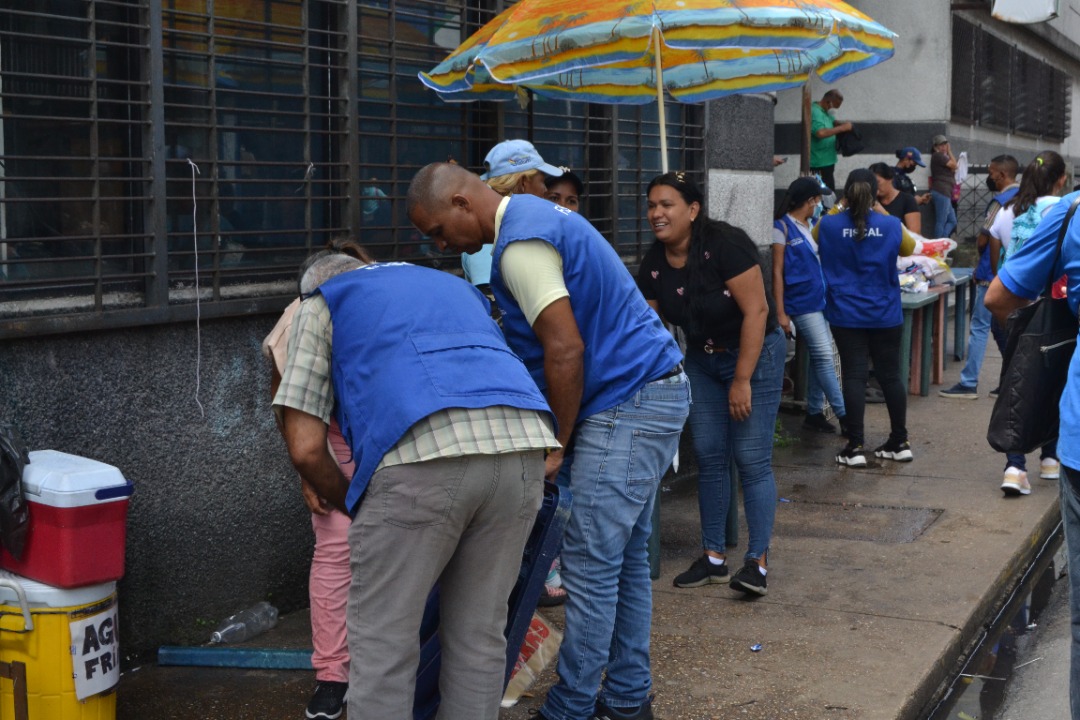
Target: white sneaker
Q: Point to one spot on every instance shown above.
(1049, 469)
(1015, 483)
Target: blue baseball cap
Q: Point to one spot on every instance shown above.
(513, 156)
(911, 153)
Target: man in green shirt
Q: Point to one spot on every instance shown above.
(823, 132)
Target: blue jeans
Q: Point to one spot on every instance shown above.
(980, 331)
(718, 439)
(821, 381)
(944, 215)
(619, 457)
(1070, 519)
(1019, 461)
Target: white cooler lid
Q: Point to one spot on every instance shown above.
(41, 595)
(62, 480)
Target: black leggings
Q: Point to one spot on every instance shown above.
(856, 346)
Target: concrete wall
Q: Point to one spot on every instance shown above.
(216, 522)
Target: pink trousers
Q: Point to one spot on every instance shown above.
(328, 584)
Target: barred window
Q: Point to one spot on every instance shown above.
(151, 146)
(998, 85)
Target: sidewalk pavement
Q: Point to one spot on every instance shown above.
(879, 580)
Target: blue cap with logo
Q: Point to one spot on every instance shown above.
(513, 156)
(911, 153)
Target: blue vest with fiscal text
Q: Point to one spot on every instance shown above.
(626, 344)
(408, 342)
(804, 286)
(862, 286)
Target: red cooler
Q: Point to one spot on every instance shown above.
(78, 514)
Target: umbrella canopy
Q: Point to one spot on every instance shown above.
(631, 51)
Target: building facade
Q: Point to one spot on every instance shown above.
(991, 87)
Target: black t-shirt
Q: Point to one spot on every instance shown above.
(902, 182)
(729, 253)
(901, 205)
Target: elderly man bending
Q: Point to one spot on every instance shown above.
(448, 431)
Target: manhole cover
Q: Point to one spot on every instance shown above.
(875, 523)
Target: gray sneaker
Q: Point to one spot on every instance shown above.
(962, 392)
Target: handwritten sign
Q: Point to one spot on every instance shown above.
(95, 651)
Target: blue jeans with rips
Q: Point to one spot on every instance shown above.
(1070, 519)
(944, 215)
(977, 336)
(619, 456)
(821, 383)
(718, 440)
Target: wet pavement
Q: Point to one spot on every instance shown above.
(881, 580)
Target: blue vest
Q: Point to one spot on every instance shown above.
(626, 345)
(804, 286)
(983, 270)
(862, 286)
(408, 342)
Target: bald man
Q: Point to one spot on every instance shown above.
(613, 377)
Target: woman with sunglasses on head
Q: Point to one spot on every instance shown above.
(705, 276)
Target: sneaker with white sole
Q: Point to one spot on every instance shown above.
(896, 451)
(963, 392)
(327, 701)
(1015, 482)
(852, 455)
(1049, 468)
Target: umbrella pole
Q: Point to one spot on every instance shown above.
(804, 159)
(660, 99)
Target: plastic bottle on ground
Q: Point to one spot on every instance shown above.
(246, 624)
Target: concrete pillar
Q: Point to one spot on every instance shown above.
(738, 159)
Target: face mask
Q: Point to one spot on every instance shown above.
(832, 113)
(991, 185)
(818, 209)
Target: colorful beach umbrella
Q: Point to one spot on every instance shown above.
(631, 51)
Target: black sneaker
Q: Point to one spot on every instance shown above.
(702, 572)
(995, 392)
(327, 701)
(639, 712)
(898, 451)
(852, 455)
(818, 423)
(962, 392)
(750, 579)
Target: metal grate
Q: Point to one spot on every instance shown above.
(106, 104)
(998, 85)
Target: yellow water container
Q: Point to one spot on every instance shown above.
(67, 639)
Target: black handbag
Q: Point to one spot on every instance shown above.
(1034, 368)
(849, 143)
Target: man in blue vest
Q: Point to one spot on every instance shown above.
(613, 376)
(1001, 180)
(447, 431)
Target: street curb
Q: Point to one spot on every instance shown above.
(940, 674)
